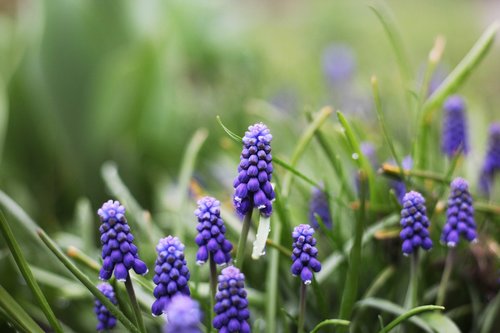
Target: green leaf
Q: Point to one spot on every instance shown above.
(231, 134)
(16, 313)
(407, 315)
(440, 323)
(330, 322)
(490, 314)
(4, 114)
(299, 174)
(389, 307)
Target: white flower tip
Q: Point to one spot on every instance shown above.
(307, 282)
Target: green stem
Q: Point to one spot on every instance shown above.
(135, 305)
(242, 243)
(351, 285)
(412, 296)
(448, 266)
(27, 274)
(302, 309)
(272, 280)
(213, 289)
(283, 250)
(86, 282)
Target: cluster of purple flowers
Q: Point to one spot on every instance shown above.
(415, 223)
(105, 320)
(455, 136)
(319, 205)
(491, 164)
(304, 261)
(183, 315)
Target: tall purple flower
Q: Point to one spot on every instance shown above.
(211, 233)
(106, 320)
(460, 214)
(491, 162)
(320, 205)
(231, 307)
(171, 273)
(304, 253)
(253, 184)
(415, 224)
(119, 253)
(455, 135)
(183, 315)
(399, 186)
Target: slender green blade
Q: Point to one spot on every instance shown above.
(330, 322)
(17, 314)
(407, 315)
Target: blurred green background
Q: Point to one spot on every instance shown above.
(83, 82)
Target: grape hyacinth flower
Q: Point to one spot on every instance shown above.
(106, 320)
(253, 184)
(304, 253)
(415, 224)
(491, 162)
(211, 233)
(231, 307)
(399, 186)
(460, 215)
(183, 315)
(171, 273)
(455, 135)
(339, 63)
(320, 205)
(119, 253)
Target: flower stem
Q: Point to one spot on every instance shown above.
(448, 266)
(242, 243)
(213, 290)
(135, 305)
(412, 295)
(302, 309)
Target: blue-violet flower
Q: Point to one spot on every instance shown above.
(211, 233)
(460, 214)
(119, 253)
(253, 184)
(339, 63)
(106, 320)
(231, 307)
(171, 273)
(183, 315)
(491, 162)
(455, 136)
(415, 224)
(320, 205)
(304, 253)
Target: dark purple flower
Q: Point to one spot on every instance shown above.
(106, 320)
(211, 233)
(339, 63)
(231, 307)
(399, 186)
(253, 184)
(460, 214)
(491, 162)
(455, 137)
(171, 273)
(320, 205)
(183, 315)
(415, 224)
(119, 253)
(304, 253)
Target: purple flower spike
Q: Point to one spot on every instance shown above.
(211, 233)
(455, 136)
(460, 214)
(399, 186)
(106, 320)
(252, 186)
(171, 273)
(119, 253)
(183, 315)
(320, 205)
(415, 224)
(231, 307)
(491, 162)
(304, 253)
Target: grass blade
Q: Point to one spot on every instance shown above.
(17, 314)
(27, 274)
(330, 322)
(408, 315)
(86, 281)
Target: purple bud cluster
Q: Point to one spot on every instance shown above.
(211, 237)
(320, 205)
(460, 215)
(106, 320)
(171, 273)
(183, 315)
(415, 224)
(491, 162)
(455, 137)
(231, 306)
(119, 254)
(304, 253)
(253, 184)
